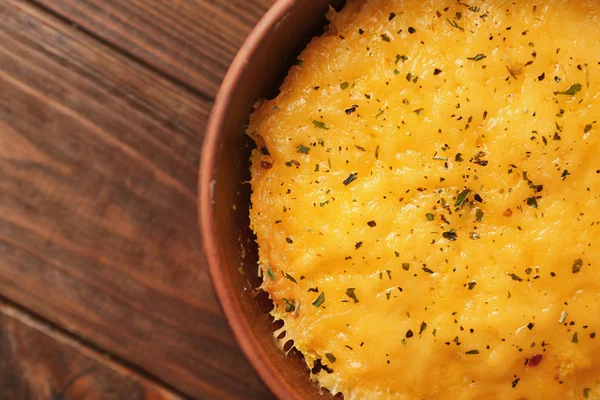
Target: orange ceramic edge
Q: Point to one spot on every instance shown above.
(237, 321)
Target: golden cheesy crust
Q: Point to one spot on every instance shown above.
(425, 200)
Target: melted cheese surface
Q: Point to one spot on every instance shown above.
(425, 200)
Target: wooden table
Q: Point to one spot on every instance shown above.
(104, 292)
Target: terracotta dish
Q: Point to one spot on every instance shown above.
(256, 72)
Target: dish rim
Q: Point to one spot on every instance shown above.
(224, 291)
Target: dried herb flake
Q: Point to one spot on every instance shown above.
(477, 57)
(303, 149)
(350, 293)
(577, 264)
(319, 300)
(351, 178)
(320, 125)
(532, 202)
(572, 90)
(462, 197)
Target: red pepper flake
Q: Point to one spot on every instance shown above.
(266, 165)
(508, 213)
(535, 360)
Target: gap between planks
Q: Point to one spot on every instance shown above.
(184, 86)
(90, 350)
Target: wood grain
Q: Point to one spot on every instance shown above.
(40, 363)
(192, 41)
(98, 222)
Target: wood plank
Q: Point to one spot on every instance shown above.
(192, 41)
(39, 362)
(98, 221)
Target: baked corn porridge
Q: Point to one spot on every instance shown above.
(425, 200)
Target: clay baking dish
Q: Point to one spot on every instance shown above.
(256, 72)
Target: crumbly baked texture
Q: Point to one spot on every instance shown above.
(426, 200)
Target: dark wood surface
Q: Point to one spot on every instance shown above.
(103, 106)
(39, 362)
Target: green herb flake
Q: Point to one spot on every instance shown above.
(399, 58)
(396, 72)
(344, 85)
(423, 327)
(454, 24)
(377, 152)
(516, 278)
(406, 266)
(289, 305)
(385, 37)
(572, 90)
(532, 202)
(319, 300)
(479, 215)
(587, 128)
(330, 357)
(419, 111)
(586, 393)
(577, 264)
(477, 57)
(270, 274)
(462, 197)
(472, 352)
(430, 216)
(320, 125)
(471, 285)
(458, 157)
(291, 278)
(351, 178)
(350, 293)
(303, 149)
(575, 338)
(471, 8)
(425, 269)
